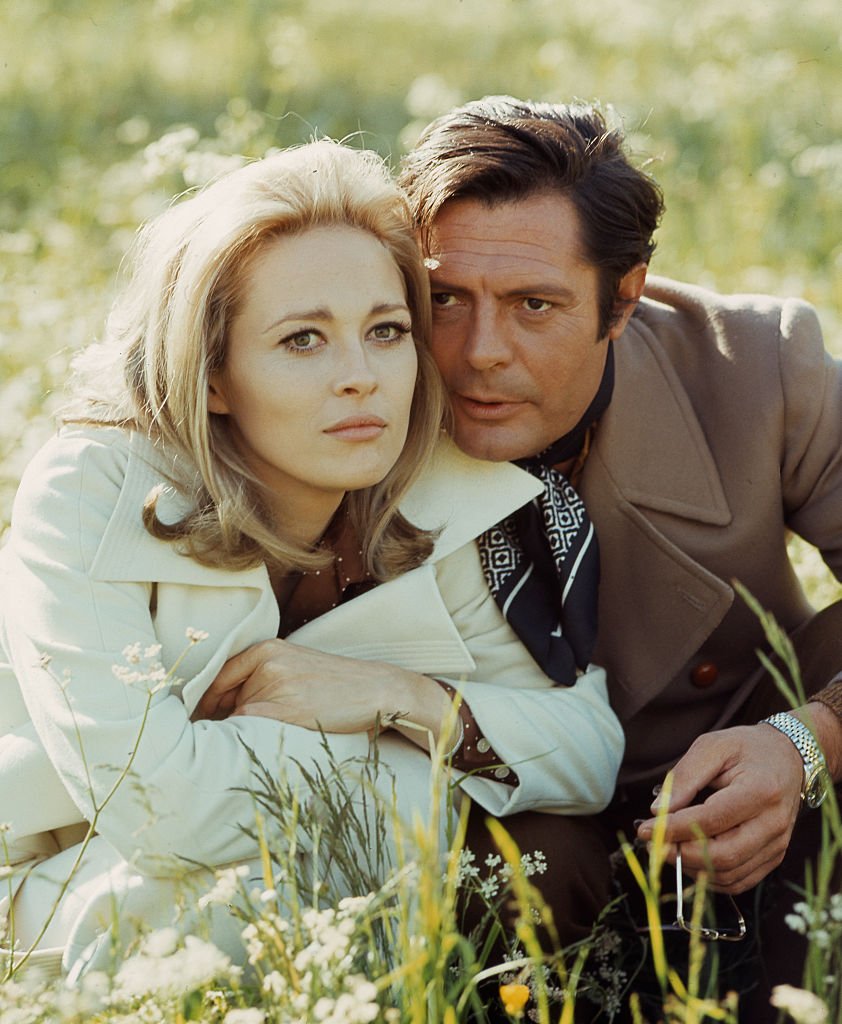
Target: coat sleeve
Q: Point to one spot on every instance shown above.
(64, 631)
(811, 460)
(565, 743)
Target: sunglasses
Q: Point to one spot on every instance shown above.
(734, 932)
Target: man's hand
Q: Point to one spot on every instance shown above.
(755, 773)
(301, 686)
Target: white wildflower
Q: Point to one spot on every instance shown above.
(132, 653)
(355, 904)
(533, 864)
(796, 923)
(323, 1008)
(489, 887)
(249, 1016)
(226, 887)
(275, 983)
(804, 1007)
(186, 970)
(163, 942)
(195, 636)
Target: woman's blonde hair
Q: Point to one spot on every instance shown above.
(169, 330)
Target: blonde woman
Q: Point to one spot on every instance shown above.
(255, 453)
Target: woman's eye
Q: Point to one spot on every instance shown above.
(302, 341)
(390, 332)
(536, 305)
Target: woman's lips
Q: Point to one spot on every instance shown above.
(357, 428)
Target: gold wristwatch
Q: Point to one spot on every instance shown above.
(816, 781)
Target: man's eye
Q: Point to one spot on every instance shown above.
(537, 305)
(443, 299)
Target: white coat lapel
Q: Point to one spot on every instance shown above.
(405, 621)
(127, 550)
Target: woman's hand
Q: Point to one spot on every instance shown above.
(301, 686)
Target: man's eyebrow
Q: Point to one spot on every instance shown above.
(541, 289)
(544, 290)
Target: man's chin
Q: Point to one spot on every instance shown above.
(488, 444)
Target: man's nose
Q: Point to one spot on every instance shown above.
(486, 345)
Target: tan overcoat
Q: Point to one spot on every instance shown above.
(723, 433)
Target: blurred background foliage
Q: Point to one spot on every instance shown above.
(109, 107)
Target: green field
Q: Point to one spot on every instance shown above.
(108, 108)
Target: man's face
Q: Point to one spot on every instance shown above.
(515, 322)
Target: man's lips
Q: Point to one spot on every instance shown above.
(486, 407)
(357, 428)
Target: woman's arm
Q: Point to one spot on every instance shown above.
(290, 683)
(564, 743)
(64, 630)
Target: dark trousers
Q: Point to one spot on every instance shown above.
(582, 856)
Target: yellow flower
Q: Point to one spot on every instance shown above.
(514, 997)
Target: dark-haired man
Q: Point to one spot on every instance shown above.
(699, 430)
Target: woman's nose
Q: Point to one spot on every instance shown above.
(355, 374)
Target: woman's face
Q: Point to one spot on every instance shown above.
(319, 371)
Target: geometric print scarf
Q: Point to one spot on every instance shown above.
(542, 561)
(542, 565)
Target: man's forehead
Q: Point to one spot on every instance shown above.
(536, 235)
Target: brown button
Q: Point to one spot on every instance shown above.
(704, 675)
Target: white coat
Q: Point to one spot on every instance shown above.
(82, 580)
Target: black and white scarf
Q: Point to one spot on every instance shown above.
(542, 562)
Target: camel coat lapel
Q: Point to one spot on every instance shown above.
(639, 563)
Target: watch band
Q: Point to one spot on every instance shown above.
(811, 753)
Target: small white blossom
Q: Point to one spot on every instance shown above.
(195, 636)
(227, 886)
(249, 1016)
(163, 942)
(275, 983)
(132, 653)
(185, 970)
(804, 1007)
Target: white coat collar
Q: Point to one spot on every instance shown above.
(457, 495)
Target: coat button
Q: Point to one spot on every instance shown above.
(704, 675)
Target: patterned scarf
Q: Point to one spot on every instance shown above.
(542, 562)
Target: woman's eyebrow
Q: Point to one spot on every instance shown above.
(321, 313)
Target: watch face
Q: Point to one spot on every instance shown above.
(816, 786)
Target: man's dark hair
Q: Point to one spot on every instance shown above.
(499, 149)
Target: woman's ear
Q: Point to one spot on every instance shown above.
(217, 401)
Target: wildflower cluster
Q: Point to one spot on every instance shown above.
(309, 963)
(821, 925)
(494, 882)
